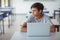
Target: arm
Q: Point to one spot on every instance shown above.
(24, 27)
(52, 28)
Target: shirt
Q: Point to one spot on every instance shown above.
(44, 19)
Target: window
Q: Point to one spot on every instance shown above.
(4, 3)
(0, 3)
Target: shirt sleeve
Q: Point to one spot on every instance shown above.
(28, 19)
(49, 21)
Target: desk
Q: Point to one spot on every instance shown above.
(23, 36)
(5, 11)
(2, 16)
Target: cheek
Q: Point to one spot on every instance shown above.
(35, 13)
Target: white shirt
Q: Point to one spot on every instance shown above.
(44, 19)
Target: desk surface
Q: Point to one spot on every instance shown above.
(23, 36)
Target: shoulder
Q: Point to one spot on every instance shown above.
(30, 17)
(46, 17)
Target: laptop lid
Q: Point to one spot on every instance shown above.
(38, 29)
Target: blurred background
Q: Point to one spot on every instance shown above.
(14, 12)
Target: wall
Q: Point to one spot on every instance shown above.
(22, 7)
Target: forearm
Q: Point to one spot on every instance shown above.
(24, 27)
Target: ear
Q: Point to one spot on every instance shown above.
(40, 11)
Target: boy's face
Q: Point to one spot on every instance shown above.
(35, 12)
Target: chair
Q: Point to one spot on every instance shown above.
(57, 17)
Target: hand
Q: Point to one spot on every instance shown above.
(52, 29)
(23, 29)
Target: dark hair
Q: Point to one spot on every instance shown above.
(37, 5)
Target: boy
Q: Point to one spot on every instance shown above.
(37, 16)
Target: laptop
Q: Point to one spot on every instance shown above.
(38, 29)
